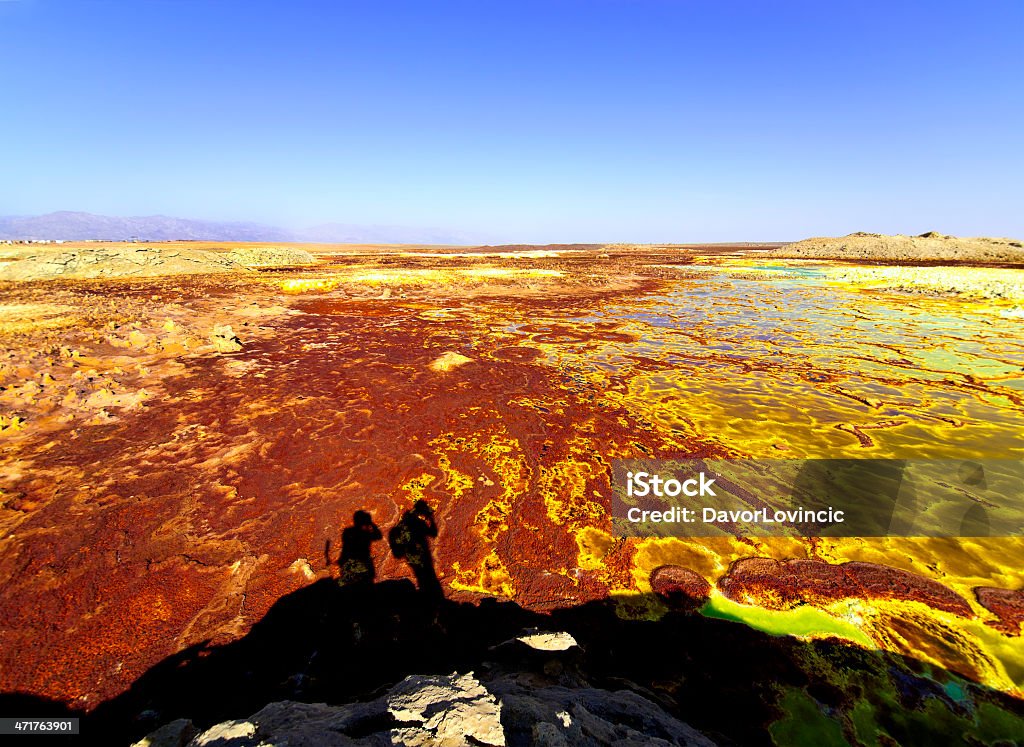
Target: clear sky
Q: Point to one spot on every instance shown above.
(595, 120)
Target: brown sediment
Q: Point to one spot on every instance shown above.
(785, 584)
(1005, 604)
(680, 588)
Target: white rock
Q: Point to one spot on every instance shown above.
(549, 641)
(224, 731)
(449, 711)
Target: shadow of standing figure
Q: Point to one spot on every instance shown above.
(410, 541)
(356, 562)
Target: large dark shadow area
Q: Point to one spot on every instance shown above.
(338, 643)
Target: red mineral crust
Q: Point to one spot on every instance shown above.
(185, 519)
(1006, 604)
(680, 588)
(158, 492)
(783, 584)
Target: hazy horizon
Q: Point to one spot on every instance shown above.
(647, 121)
(13, 227)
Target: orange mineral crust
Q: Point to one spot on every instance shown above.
(1006, 604)
(178, 453)
(780, 585)
(680, 588)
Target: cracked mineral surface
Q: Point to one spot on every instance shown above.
(178, 452)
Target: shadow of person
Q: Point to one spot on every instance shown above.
(409, 540)
(702, 672)
(356, 561)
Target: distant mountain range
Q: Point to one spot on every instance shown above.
(72, 226)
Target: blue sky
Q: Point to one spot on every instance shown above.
(603, 120)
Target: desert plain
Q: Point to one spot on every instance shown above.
(187, 428)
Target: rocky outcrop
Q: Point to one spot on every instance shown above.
(456, 710)
(49, 262)
(113, 261)
(271, 256)
(529, 691)
(927, 247)
(783, 584)
(588, 716)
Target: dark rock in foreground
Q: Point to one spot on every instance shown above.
(452, 710)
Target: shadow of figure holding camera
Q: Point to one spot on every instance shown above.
(410, 539)
(356, 562)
